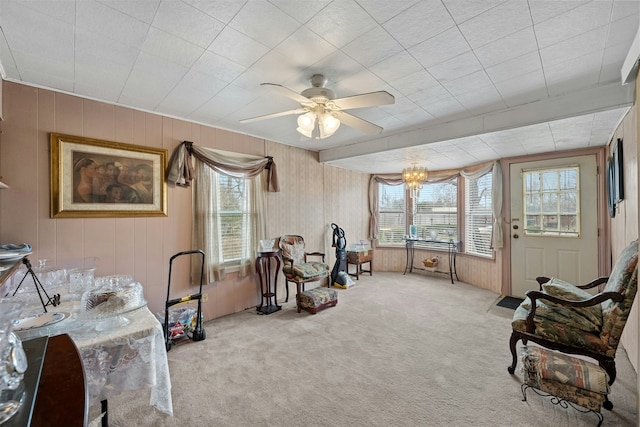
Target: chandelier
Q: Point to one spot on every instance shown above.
(413, 179)
(316, 119)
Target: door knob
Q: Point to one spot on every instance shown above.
(515, 236)
(515, 226)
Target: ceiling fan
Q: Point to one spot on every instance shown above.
(321, 113)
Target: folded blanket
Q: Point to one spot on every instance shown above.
(12, 247)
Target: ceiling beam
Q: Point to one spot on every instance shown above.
(592, 100)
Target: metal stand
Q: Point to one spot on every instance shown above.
(563, 403)
(54, 301)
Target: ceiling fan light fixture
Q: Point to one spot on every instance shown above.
(306, 123)
(327, 125)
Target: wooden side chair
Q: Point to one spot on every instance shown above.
(297, 265)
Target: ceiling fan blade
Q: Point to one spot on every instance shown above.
(358, 123)
(365, 100)
(274, 115)
(287, 92)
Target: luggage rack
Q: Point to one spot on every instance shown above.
(198, 333)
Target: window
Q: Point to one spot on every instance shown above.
(436, 211)
(478, 217)
(233, 217)
(392, 214)
(552, 202)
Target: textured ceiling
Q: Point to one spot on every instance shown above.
(473, 80)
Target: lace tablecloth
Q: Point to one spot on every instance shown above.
(119, 358)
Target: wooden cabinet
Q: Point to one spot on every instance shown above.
(357, 258)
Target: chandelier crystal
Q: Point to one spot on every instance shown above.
(413, 179)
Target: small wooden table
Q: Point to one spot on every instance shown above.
(359, 257)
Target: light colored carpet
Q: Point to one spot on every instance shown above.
(397, 350)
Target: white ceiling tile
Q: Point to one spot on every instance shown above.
(237, 47)
(335, 67)
(382, 11)
(251, 21)
(208, 84)
(507, 48)
(440, 48)
(187, 22)
(468, 83)
(222, 10)
(274, 67)
(562, 78)
(396, 67)
(151, 80)
(62, 10)
(301, 11)
(94, 49)
(429, 95)
(420, 22)
(8, 66)
(105, 92)
(507, 18)
(98, 18)
(58, 73)
(57, 43)
(304, 48)
(452, 69)
(625, 8)
(482, 100)
(579, 20)
(224, 103)
(183, 98)
(623, 31)
(142, 10)
(341, 22)
(463, 10)
(574, 47)
(90, 47)
(543, 10)
(171, 48)
(363, 81)
(372, 47)
(216, 65)
(522, 89)
(446, 109)
(521, 65)
(414, 82)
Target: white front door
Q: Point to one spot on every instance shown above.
(552, 235)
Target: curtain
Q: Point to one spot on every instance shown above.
(473, 172)
(201, 165)
(181, 172)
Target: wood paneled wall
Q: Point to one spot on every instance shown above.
(311, 197)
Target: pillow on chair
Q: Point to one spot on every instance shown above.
(561, 289)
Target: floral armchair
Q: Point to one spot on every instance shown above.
(296, 267)
(565, 317)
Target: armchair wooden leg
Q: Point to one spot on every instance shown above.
(512, 346)
(609, 365)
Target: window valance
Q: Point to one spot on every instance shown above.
(181, 171)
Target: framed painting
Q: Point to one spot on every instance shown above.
(618, 171)
(92, 178)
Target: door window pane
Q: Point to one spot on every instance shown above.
(552, 201)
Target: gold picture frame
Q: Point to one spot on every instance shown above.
(93, 178)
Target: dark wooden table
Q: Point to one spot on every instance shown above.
(55, 377)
